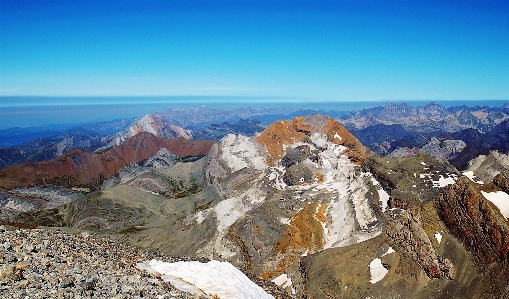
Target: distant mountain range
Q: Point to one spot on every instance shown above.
(302, 204)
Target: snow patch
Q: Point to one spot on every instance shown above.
(382, 195)
(215, 279)
(500, 199)
(389, 251)
(377, 270)
(276, 176)
(320, 140)
(201, 215)
(231, 209)
(348, 207)
(438, 236)
(470, 174)
(283, 281)
(285, 221)
(442, 182)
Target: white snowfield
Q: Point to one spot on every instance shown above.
(348, 208)
(499, 199)
(213, 279)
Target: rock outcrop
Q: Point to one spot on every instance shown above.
(407, 232)
(475, 221)
(486, 167)
(502, 180)
(412, 181)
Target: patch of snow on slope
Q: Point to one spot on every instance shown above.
(329, 152)
(323, 224)
(382, 195)
(146, 123)
(231, 209)
(239, 151)
(470, 174)
(283, 281)
(319, 140)
(348, 207)
(200, 216)
(442, 182)
(438, 236)
(363, 211)
(389, 251)
(499, 199)
(215, 279)
(276, 177)
(377, 270)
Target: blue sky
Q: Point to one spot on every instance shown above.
(315, 50)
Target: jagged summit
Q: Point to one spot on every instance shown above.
(279, 135)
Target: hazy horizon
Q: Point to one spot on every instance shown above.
(32, 112)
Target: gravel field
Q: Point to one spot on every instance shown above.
(40, 263)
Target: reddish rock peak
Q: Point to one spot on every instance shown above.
(81, 168)
(276, 137)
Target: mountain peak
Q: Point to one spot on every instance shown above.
(279, 135)
(152, 124)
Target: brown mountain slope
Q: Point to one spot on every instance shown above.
(78, 168)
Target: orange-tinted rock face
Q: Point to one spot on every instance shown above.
(276, 137)
(304, 235)
(336, 133)
(279, 135)
(81, 168)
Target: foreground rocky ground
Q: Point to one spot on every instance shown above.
(38, 263)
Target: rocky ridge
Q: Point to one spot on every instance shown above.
(80, 168)
(479, 225)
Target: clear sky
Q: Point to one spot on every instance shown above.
(317, 50)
